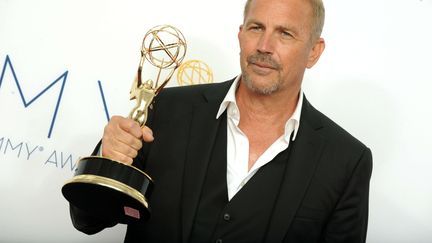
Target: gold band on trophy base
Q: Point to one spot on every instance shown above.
(113, 190)
(113, 184)
(110, 190)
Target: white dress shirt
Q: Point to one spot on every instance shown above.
(238, 144)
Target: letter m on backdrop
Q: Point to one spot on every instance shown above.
(61, 79)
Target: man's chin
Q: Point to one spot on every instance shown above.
(262, 89)
(259, 84)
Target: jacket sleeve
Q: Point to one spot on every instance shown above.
(84, 221)
(349, 220)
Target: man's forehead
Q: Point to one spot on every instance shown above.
(291, 7)
(279, 14)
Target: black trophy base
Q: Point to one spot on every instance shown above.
(110, 190)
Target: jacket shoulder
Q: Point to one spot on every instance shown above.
(332, 132)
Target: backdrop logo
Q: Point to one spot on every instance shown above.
(61, 80)
(194, 72)
(25, 150)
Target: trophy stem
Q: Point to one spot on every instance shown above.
(144, 97)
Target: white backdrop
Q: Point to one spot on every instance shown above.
(373, 79)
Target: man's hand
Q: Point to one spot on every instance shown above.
(122, 139)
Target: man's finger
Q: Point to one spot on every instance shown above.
(130, 126)
(147, 134)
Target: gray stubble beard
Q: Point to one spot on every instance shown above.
(247, 80)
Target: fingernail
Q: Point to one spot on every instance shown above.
(148, 133)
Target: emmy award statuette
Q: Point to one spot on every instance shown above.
(194, 72)
(113, 190)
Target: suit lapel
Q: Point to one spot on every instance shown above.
(299, 171)
(204, 127)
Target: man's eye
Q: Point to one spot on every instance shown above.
(255, 28)
(286, 34)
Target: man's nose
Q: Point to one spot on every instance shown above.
(266, 43)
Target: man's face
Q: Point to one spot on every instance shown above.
(275, 45)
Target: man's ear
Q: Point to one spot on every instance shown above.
(316, 52)
(240, 32)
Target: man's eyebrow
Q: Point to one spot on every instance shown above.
(284, 27)
(254, 21)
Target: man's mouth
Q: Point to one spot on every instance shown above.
(261, 68)
(262, 64)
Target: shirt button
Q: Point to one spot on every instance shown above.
(227, 217)
(219, 241)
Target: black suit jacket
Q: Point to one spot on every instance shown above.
(324, 197)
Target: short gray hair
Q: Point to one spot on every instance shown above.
(318, 12)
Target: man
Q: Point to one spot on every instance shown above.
(248, 160)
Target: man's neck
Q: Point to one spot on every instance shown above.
(263, 117)
(275, 107)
